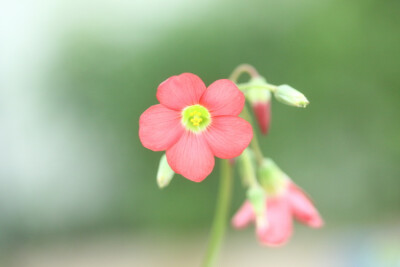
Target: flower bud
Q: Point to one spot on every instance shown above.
(257, 197)
(260, 100)
(271, 177)
(290, 96)
(262, 111)
(165, 173)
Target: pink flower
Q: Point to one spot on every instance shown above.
(279, 211)
(194, 123)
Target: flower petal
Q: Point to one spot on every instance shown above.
(228, 136)
(191, 157)
(223, 97)
(159, 128)
(279, 223)
(243, 216)
(303, 208)
(180, 91)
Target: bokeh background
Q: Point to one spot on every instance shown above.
(78, 189)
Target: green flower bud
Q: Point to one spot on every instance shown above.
(290, 96)
(255, 93)
(165, 173)
(271, 177)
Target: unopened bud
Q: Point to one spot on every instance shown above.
(257, 90)
(260, 100)
(271, 177)
(290, 96)
(165, 173)
(262, 111)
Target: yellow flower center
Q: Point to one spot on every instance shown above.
(196, 118)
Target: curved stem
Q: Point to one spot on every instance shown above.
(221, 214)
(241, 69)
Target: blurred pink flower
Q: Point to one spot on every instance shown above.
(279, 211)
(194, 123)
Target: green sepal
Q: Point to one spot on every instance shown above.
(258, 199)
(271, 177)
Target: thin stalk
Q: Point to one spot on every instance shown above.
(221, 214)
(244, 68)
(254, 144)
(272, 88)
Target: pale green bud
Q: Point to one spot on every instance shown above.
(255, 93)
(165, 173)
(290, 96)
(271, 177)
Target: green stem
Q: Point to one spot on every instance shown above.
(272, 88)
(254, 144)
(242, 69)
(221, 214)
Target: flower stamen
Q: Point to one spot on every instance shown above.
(196, 118)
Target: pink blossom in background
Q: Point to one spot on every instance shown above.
(194, 123)
(280, 209)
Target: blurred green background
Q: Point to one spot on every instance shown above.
(77, 76)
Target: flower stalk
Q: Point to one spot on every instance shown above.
(244, 68)
(269, 87)
(221, 214)
(254, 144)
